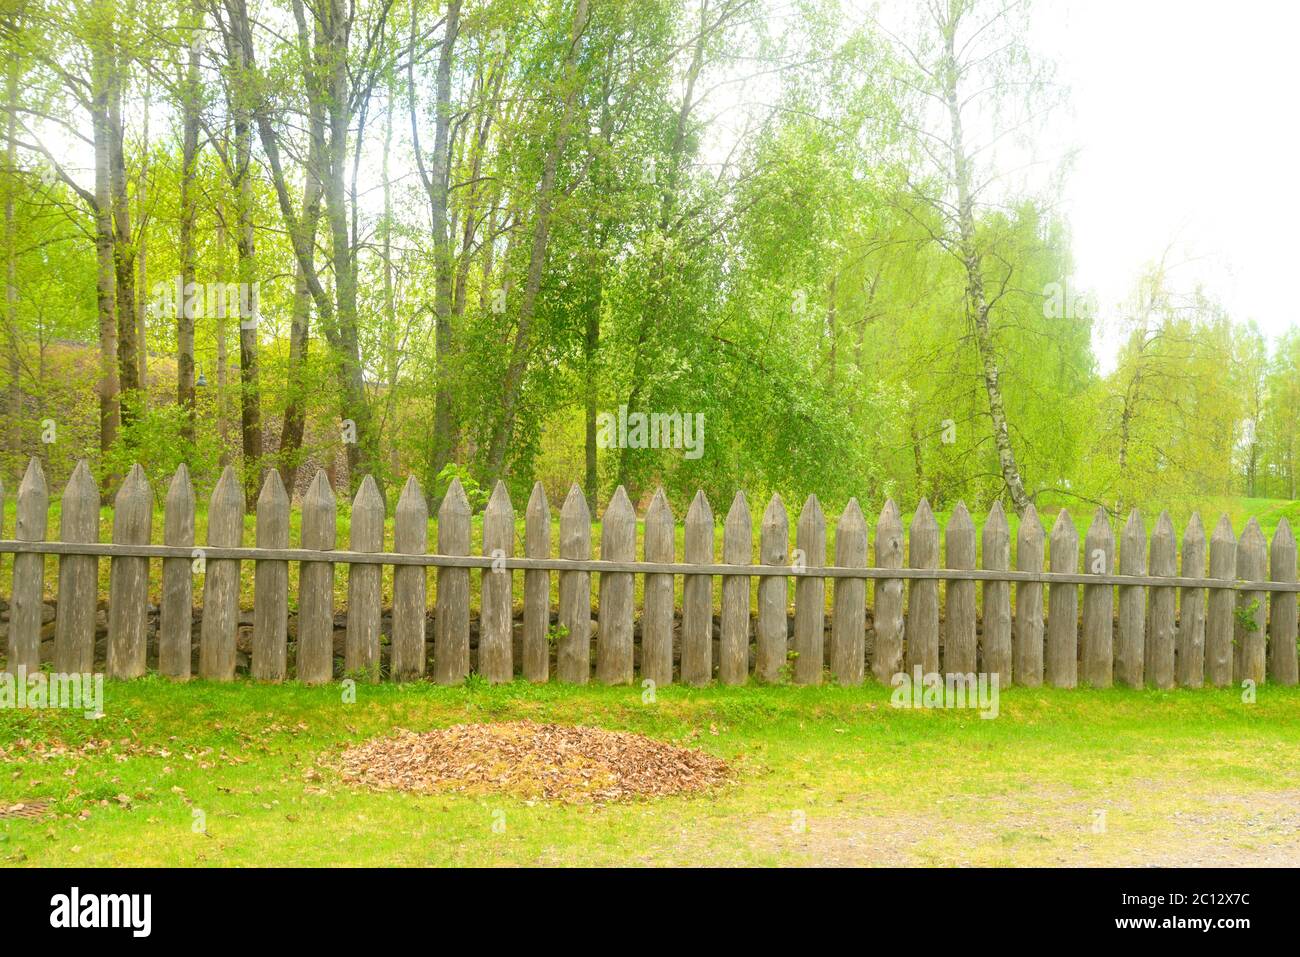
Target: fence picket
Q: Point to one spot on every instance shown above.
(410, 584)
(614, 648)
(1130, 650)
(271, 583)
(1252, 564)
(74, 628)
(657, 618)
(128, 593)
(887, 608)
(1098, 603)
(1219, 620)
(959, 644)
(496, 660)
(32, 517)
(1282, 607)
(737, 549)
(1190, 641)
(220, 618)
(537, 588)
(316, 584)
(773, 629)
(176, 611)
(1161, 607)
(1061, 658)
(849, 609)
(995, 546)
(697, 595)
(922, 626)
(361, 640)
(573, 659)
(810, 595)
(451, 640)
(1027, 668)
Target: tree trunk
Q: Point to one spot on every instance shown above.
(189, 213)
(105, 278)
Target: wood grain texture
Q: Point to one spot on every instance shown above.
(1027, 666)
(657, 618)
(614, 648)
(1220, 622)
(1282, 607)
(773, 594)
(1190, 650)
(74, 629)
(128, 590)
(537, 588)
(887, 609)
(220, 617)
(849, 603)
(810, 595)
(1130, 644)
(410, 584)
(697, 595)
(1162, 606)
(316, 584)
(1099, 604)
(923, 595)
(31, 518)
(737, 548)
(995, 548)
(361, 639)
(496, 661)
(451, 637)
(271, 584)
(959, 643)
(176, 613)
(1061, 656)
(1252, 611)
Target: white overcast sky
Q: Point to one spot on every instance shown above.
(1184, 117)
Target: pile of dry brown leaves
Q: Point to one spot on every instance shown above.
(529, 760)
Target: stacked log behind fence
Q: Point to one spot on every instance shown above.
(1172, 623)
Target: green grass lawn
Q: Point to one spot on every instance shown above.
(823, 776)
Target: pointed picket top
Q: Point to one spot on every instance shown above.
(700, 513)
(1031, 527)
(997, 517)
(1134, 527)
(619, 507)
(1283, 536)
(1164, 532)
(228, 493)
(455, 503)
(319, 514)
(851, 536)
(738, 515)
(1195, 532)
(890, 511)
(366, 525)
(411, 521)
(1223, 531)
(996, 534)
(812, 510)
(1064, 523)
(575, 506)
(889, 527)
(924, 515)
(738, 533)
(368, 499)
(135, 491)
(33, 504)
(961, 517)
(775, 517)
(1253, 532)
(538, 508)
(180, 492)
(851, 519)
(959, 538)
(659, 541)
(272, 494)
(79, 507)
(1251, 552)
(1100, 531)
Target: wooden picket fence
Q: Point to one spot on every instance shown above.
(1167, 629)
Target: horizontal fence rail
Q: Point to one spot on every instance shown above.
(1230, 616)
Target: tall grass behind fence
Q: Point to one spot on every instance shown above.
(1144, 620)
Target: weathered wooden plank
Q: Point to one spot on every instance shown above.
(496, 660)
(1061, 657)
(810, 595)
(657, 619)
(1252, 563)
(74, 628)
(697, 595)
(1282, 607)
(773, 594)
(537, 588)
(995, 546)
(271, 584)
(176, 612)
(573, 659)
(922, 625)
(220, 617)
(1159, 661)
(1099, 604)
(849, 604)
(1219, 618)
(614, 648)
(1191, 609)
(128, 601)
(1130, 646)
(1027, 669)
(316, 584)
(887, 609)
(32, 516)
(959, 641)
(451, 639)
(737, 549)
(410, 584)
(361, 640)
